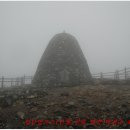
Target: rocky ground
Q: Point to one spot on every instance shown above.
(88, 106)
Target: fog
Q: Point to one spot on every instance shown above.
(101, 28)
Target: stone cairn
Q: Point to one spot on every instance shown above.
(62, 64)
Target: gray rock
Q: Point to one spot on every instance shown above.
(21, 115)
(71, 103)
(6, 101)
(64, 94)
(34, 109)
(31, 96)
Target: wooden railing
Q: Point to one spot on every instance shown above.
(123, 74)
(18, 81)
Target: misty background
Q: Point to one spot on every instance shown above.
(101, 28)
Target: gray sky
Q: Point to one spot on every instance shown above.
(101, 28)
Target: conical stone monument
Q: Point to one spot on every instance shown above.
(62, 64)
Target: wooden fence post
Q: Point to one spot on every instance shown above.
(21, 81)
(101, 75)
(117, 75)
(2, 82)
(16, 82)
(24, 80)
(11, 83)
(31, 79)
(125, 74)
